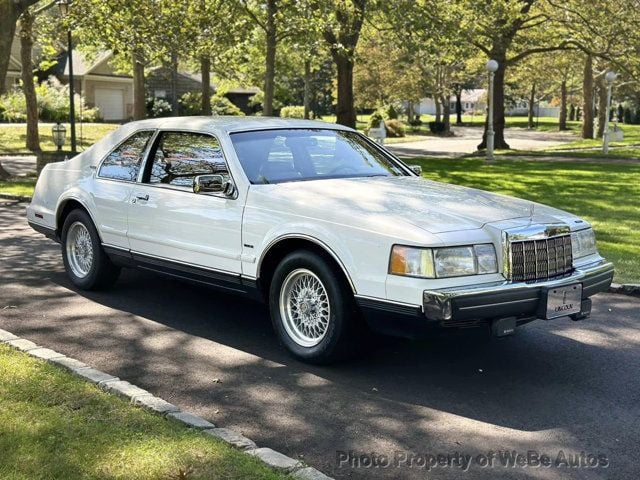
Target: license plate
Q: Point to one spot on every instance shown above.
(564, 300)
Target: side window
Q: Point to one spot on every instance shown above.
(124, 162)
(181, 156)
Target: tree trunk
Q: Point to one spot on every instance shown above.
(174, 84)
(587, 95)
(10, 11)
(410, 114)
(139, 94)
(458, 105)
(205, 71)
(345, 111)
(307, 88)
(446, 113)
(28, 87)
(562, 120)
(603, 111)
(532, 103)
(270, 58)
(438, 104)
(498, 108)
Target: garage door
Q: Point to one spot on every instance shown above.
(110, 101)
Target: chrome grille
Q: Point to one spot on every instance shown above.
(542, 259)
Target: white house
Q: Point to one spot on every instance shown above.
(474, 102)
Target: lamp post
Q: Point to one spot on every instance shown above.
(610, 78)
(492, 67)
(58, 133)
(64, 10)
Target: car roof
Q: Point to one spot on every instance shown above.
(229, 124)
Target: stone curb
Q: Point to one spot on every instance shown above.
(19, 198)
(631, 289)
(148, 401)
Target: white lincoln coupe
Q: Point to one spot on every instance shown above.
(331, 230)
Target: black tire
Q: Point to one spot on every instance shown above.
(340, 339)
(102, 273)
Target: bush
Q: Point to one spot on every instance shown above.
(395, 128)
(157, 107)
(416, 122)
(374, 119)
(636, 117)
(628, 116)
(390, 112)
(221, 105)
(53, 104)
(293, 111)
(13, 106)
(191, 103)
(437, 127)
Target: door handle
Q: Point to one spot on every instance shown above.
(143, 197)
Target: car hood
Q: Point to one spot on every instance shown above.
(432, 206)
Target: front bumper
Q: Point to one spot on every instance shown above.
(508, 299)
(479, 304)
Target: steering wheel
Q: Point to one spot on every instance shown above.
(342, 169)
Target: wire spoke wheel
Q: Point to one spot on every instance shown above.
(79, 249)
(304, 307)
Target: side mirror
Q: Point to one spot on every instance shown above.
(213, 184)
(417, 169)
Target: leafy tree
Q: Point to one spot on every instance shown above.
(277, 20)
(342, 22)
(127, 27)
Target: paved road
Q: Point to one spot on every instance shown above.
(555, 386)
(468, 138)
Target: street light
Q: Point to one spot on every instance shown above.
(610, 77)
(63, 5)
(492, 67)
(58, 133)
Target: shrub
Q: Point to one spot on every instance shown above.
(221, 105)
(374, 119)
(636, 117)
(628, 117)
(395, 128)
(13, 106)
(191, 103)
(293, 111)
(416, 122)
(53, 104)
(390, 112)
(157, 107)
(437, 127)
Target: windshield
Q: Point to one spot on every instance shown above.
(273, 156)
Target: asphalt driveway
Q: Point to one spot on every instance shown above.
(556, 386)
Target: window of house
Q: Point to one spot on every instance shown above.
(124, 162)
(181, 156)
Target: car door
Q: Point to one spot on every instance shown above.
(115, 178)
(172, 226)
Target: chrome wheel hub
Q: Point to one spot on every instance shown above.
(79, 250)
(304, 307)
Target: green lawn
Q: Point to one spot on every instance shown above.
(13, 136)
(23, 187)
(56, 426)
(607, 195)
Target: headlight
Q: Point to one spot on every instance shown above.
(583, 243)
(443, 262)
